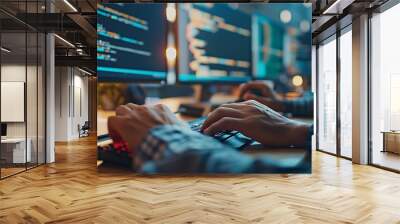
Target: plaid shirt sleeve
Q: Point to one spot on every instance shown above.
(173, 149)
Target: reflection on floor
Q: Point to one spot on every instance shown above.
(73, 191)
(8, 170)
(387, 159)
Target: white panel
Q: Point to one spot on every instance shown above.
(12, 101)
(77, 112)
(77, 102)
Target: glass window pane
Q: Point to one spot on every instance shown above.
(346, 94)
(23, 87)
(32, 85)
(31, 97)
(14, 153)
(385, 84)
(15, 146)
(327, 97)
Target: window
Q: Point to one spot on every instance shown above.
(22, 78)
(385, 89)
(346, 93)
(327, 96)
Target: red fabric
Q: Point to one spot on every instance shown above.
(121, 146)
(118, 143)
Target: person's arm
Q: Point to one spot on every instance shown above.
(171, 149)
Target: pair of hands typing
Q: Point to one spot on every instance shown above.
(252, 118)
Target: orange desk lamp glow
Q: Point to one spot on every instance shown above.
(297, 80)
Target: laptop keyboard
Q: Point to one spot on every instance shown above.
(234, 139)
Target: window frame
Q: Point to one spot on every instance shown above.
(333, 37)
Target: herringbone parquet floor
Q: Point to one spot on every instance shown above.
(72, 191)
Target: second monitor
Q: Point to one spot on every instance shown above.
(214, 43)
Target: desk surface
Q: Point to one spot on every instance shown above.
(13, 140)
(391, 132)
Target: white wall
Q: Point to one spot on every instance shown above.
(61, 104)
(16, 73)
(71, 94)
(82, 83)
(33, 127)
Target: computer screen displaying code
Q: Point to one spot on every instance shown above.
(214, 42)
(131, 42)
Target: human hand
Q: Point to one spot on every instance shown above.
(258, 122)
(257, 86)
(133, 122)
(266, 95)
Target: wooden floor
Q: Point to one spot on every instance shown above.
(72, 191)
(10, 171)
(5, 172)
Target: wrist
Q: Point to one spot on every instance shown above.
(298, 134)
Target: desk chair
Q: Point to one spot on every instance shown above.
(84, 130)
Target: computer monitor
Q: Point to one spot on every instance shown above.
(131, 44)
(214, 43)
(268, 41)
(3, 130)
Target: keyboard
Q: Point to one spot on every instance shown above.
(234, 139)
(115, 154)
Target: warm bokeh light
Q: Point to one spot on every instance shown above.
(286, 16)
(171, 13)
(170, 53)
(297, 80)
